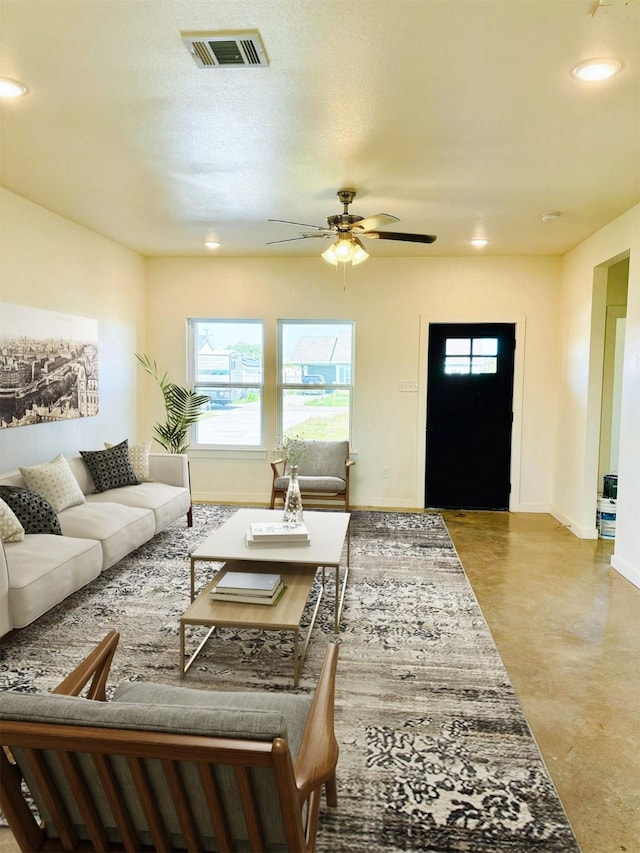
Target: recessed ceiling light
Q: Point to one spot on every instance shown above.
(593, 70)
(550, 217)
(11, 88)
(479, 242)
(212, 244)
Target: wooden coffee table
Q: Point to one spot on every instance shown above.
(283, 616)
(327, 532)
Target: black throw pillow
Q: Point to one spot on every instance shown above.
(110, 468)
(34, 513)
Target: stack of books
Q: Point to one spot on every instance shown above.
(279, 533)
(248, 588)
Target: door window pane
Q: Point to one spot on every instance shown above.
(485, 346)
(458, 346)
(488, 364)
(457, 364)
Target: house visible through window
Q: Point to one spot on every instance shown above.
(471, 355)
(315, 379)
(226, 364)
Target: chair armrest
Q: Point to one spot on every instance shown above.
(274, 466)
(95, 666)
(350, 462)
(318, 753)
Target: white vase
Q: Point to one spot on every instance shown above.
(293, 499)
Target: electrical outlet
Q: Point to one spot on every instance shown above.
(386, 473)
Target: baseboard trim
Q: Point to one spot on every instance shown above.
(578, 530)
(624, 568)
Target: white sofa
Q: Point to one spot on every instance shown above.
(42, 569)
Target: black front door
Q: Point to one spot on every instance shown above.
(469, 415)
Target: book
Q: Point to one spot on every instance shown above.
(247, 598)
(278, 532)
(248, 583)
(251, 542)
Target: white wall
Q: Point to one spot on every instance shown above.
(392, 301)
(581, 323)
(50, 263)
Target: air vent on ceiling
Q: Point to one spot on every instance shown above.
(225, 49)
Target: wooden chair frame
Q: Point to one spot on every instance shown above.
(315, 768)
(310, 497)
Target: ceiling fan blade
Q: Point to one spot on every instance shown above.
(370, 223)
(399, 235)
(313, 235)
(291, 239)
(301, 224)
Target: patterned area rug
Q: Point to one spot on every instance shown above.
(435, 753)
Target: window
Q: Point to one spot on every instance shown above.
(226, 364)
(471, 355)
(315, 379)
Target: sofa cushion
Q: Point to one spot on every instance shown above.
(167, 502)
(119, 529)
(35, 513)
(110, 468)
(55, 482)
(10, 528)
(43, 570)
(139, 459)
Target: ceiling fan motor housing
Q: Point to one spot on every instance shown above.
(343, 221)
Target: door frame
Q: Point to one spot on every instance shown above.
(519, 321)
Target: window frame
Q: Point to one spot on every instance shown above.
(204, 387)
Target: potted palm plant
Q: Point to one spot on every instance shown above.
(183, 408)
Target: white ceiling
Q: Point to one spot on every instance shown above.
(460, 117)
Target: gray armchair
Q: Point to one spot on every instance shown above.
(323, 473)
(166, 768)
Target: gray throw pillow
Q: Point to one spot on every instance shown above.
(110, 468)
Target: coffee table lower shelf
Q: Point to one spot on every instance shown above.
(286, 615)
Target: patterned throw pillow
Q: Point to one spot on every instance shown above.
(110, 468)
(139, 458)
(55, 482)
(10, 528)
(34, 513)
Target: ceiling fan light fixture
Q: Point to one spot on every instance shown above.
(346, 248)
(330, 255)
(593, 70)
(360, 254)
(11, 88)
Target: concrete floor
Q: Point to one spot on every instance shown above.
(567, 627)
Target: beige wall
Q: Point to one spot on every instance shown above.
(392, 302)
(48, 262)
(582, 317)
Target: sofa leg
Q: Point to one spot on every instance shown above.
(190, 517)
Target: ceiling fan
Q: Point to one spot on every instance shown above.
(347, 229)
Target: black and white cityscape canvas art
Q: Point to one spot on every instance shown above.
(48, 366)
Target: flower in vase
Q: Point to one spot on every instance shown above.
(293, 450)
